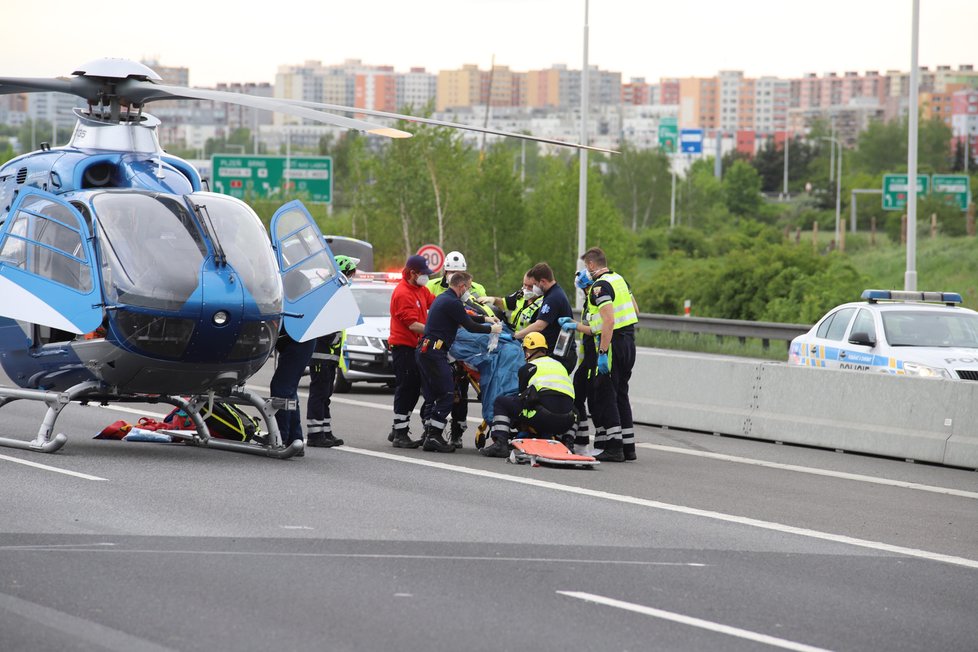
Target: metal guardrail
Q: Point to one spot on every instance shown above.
(740, 328)
(763, 330)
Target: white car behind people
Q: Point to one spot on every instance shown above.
(367, 350)
(925, 334)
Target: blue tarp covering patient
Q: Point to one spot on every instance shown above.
(497, 369)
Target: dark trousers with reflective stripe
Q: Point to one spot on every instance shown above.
(322, 376)
(583, 396)
(292, 360)
(507, 413)
(407, 385)
(437, 384)
(612, 409)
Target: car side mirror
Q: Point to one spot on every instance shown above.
(862, 338)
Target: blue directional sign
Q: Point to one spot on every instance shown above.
(691, 141)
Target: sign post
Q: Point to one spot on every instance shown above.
(433, 255)
(954, 188)
(269, 176)
(896, 189)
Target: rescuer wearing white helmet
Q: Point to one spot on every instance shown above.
(454, 262)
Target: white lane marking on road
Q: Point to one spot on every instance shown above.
(814, 471)
(296, 527)
(361, 555)
(694, 622)
(354, 402)
(99, 636)
(53, 469)
(51, 547)
(681, 509)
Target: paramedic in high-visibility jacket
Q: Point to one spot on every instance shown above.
(326, 359)
(612, 316)
(544, 406)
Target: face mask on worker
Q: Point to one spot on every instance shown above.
(422, 279)
(465, 296)
(537, 291)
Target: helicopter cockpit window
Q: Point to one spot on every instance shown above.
(245, 243)
(304, 259)
(152, 250)
(43, 241)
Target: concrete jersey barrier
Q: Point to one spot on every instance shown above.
(897, 416)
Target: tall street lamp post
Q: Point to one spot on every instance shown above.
(838, 189)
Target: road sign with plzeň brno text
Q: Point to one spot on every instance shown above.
(954, 188)
(668, 134)
(273, 176)
(896, 190)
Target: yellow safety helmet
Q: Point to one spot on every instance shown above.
(534, 341)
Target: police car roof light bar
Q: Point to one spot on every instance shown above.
(383, 277)
(948, 298)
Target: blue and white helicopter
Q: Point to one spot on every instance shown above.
(122, 280)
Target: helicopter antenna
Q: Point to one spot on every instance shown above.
(220, 258)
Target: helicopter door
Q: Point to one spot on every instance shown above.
(47, 269)
(318, 299)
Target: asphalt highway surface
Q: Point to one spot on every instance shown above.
(704, 543)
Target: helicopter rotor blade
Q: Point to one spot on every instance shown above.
(443, 123)
(10, 85)
(140, 92)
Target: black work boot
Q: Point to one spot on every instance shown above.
(434, 441)
(401, 438)
(498, 448)
(457, 430)
(612, 452)
(324, 440)
(315, 440)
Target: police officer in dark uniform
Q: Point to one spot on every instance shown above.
(544, 406)
(445, 316)
(326, 359)
(583, 387)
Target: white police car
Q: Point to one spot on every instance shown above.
(923, 334)
(367, 351)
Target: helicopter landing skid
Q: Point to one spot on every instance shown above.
(238, 395)
(56, 401)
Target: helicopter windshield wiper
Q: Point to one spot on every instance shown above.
(220, 258)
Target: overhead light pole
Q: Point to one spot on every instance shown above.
(838, 188)
(786, 140)
(910, 277)
(582, 183)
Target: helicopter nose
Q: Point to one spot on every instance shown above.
(221, 315)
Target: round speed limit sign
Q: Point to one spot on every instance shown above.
(433, 255)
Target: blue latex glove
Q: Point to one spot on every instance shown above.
(567, 323)
(603, 366)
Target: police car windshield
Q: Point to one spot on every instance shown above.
(938, 329)
(373, 300)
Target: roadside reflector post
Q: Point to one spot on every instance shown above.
(687, 305)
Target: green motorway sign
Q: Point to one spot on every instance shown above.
(954, 188)
(270, 176)
(668, 134)
(896, 188)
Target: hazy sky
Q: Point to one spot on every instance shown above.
(237, 42)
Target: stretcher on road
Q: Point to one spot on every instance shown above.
(547, 451)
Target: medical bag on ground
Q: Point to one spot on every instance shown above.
(224, 421)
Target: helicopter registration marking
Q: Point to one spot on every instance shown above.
(83, 476)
